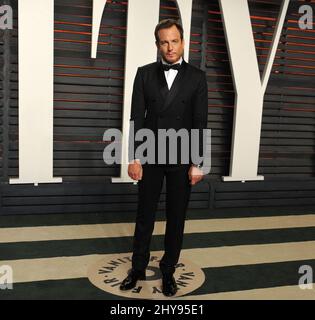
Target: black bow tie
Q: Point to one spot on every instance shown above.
(167, 67)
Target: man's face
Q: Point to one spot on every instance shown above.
(170, 46)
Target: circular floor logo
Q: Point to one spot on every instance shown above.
(108, 273)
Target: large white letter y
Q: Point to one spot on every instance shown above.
(249, 87)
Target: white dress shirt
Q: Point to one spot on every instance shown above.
(171, 74)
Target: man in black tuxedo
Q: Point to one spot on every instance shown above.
(169, 94)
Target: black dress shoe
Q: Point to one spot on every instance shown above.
(131, 280)
(169, 287)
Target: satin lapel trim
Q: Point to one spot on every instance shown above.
(175, 87)
(162, 83)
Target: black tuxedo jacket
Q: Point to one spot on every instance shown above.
(155, 107)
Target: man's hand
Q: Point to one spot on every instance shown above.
(135, 170)
(195, 175)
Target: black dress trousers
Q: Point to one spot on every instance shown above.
(178, 191)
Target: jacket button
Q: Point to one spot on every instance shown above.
(178, 118)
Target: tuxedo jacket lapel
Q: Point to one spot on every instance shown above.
(170, 95)
(163, 88)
